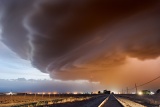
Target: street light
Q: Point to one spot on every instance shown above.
(42, 94)
(49, 94)
(35, 96)
(25, 95)
(140, 93)
(75, 92)
(54, 93)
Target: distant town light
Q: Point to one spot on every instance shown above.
(152, 93)
(54, 92)
(140, 93)
(119, 92)
(133, 92)
(80, 92)
(75, 93)
(67, 92)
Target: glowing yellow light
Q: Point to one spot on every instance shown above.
(140, 93)
(54, 92)
(67, 92)
(80, 92)
(152, 93)
(75, 93)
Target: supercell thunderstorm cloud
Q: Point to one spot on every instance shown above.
(74, 39)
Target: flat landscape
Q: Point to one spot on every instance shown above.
(145, 100)
(79, 53)
(57, 100)
(80, 100)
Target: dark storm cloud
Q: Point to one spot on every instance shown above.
(12, 13)
(61, 35)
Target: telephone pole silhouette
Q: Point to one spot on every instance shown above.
(136, 88)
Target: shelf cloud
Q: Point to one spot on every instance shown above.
(77, 39)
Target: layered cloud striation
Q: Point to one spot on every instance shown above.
(76, 39)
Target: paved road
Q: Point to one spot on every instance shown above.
(93, 102)
(112, 102)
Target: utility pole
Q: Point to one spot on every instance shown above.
(42, 95)
(35, 96)
(49, 94)
(11, 98)
(136, 88)
(91, 77)
(127, 90)
(25, 95)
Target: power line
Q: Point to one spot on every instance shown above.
(149, 82)
(145, 83)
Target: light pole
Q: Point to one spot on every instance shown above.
(42, 95)
(136, 88)
(11, 98)
(25, 95)
(35, 96)
(49, 94)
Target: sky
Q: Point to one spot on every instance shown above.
(114, 43)
(12, 66)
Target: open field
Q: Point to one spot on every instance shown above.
(57, 99)
(78, 100)
(146, 100)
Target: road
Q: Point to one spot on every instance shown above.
(112, 102)
(93, 102)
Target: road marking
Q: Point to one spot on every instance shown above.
(104, 101)
(119, 101)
